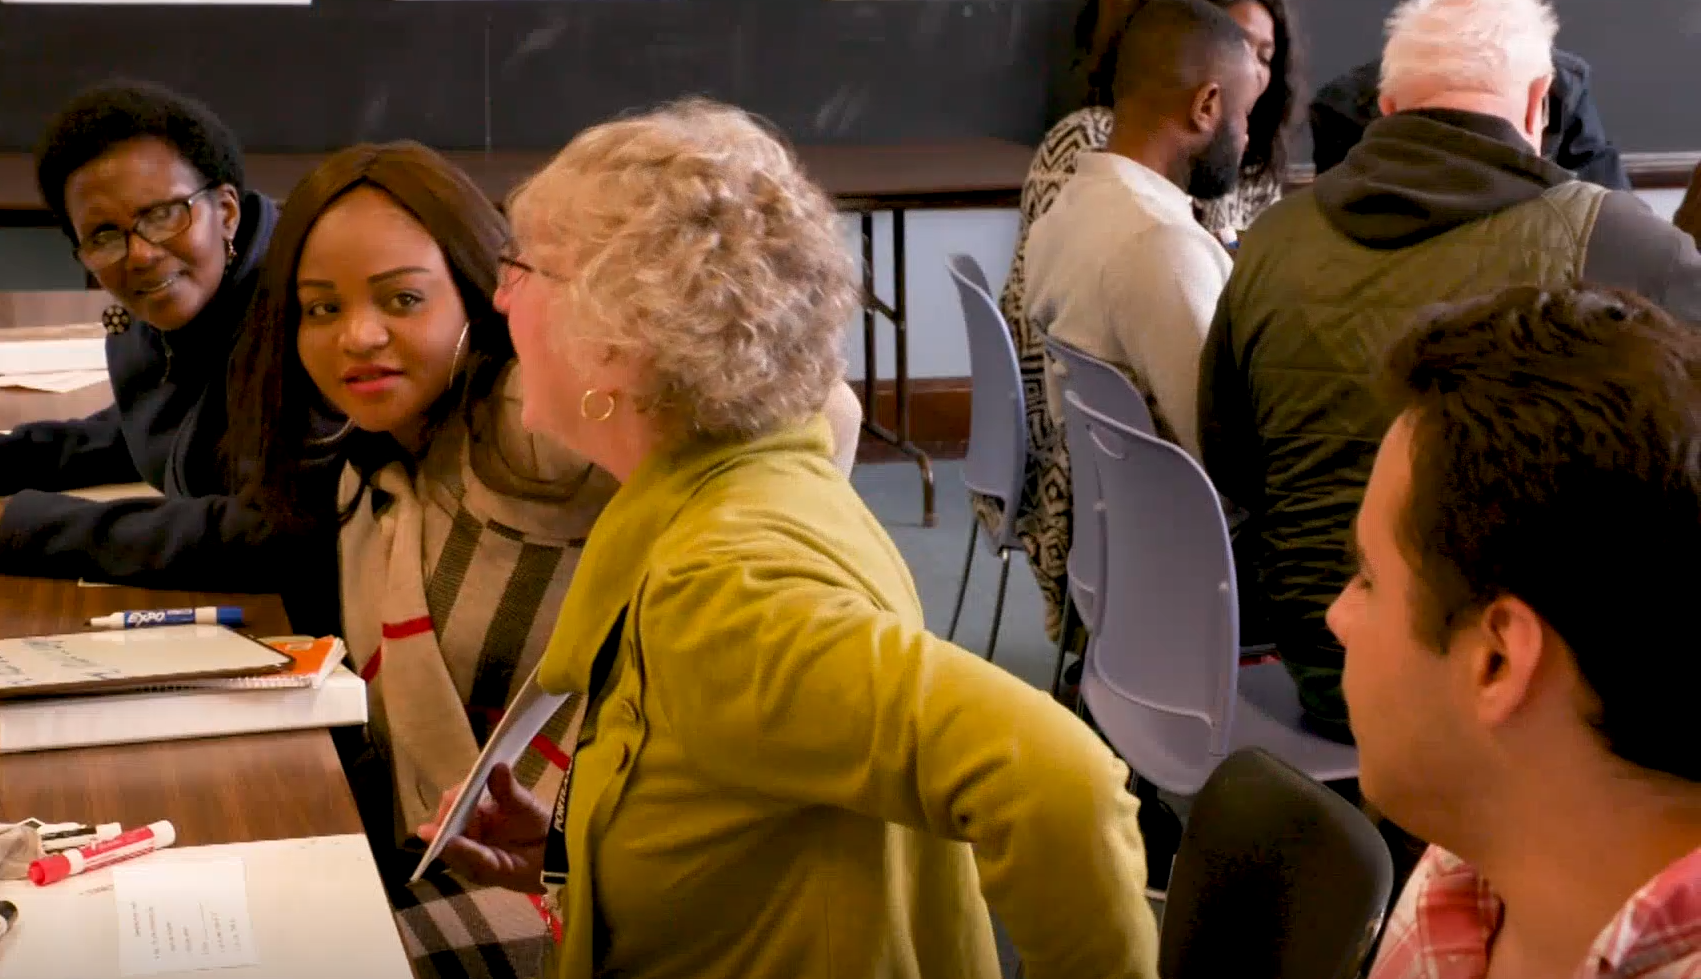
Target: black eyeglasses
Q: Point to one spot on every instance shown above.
(156, 226)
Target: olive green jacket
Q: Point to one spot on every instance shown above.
(789, 777)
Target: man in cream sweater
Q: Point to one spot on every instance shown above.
(1119, 267)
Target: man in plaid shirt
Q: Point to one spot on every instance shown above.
(1521, 662)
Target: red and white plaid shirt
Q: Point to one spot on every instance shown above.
(1445, 923)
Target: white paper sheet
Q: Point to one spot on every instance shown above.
(52, 356)
(183, 917)
(318, 909)
(525, 717)
(55, 382)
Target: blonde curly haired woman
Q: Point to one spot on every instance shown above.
(781, 773)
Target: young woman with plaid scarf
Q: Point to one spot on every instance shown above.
(459, 530)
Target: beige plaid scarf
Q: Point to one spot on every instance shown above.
(451, 581)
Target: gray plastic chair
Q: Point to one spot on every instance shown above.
(997, 460)
(1276, 877)
(1163, 677)
(1100, 383)
(1107, 389)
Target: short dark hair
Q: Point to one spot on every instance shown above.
(1097, 55)
(271, 397)
(100, 118)
(1172, 45)
(1556, 458)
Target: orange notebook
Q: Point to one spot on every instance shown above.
(314, 660)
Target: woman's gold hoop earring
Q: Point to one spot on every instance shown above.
(585, 406)
(460, 352)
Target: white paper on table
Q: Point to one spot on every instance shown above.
(318, 907)
(52, 356)
(183, 917)
(525, 717)
(54, 382)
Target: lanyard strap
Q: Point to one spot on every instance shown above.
(555, 868)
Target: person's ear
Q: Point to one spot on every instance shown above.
(1506, 647)
(1536, 111)
(229, 204)
(1207, 110)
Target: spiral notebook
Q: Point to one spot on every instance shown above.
(312, 661)
(130, 659)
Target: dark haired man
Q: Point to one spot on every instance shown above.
(1119, 266)
(1520, 667)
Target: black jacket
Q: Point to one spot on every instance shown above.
(164, 428)
(1575, 138)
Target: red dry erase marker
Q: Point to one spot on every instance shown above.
(69, 863)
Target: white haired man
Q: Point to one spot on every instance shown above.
(1446, 198)
(1576, 138)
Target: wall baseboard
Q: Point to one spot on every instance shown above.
(939, 418)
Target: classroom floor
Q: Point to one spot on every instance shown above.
(935, 556)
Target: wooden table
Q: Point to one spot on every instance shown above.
(867, 180)
(214, 790)
(864, 180)
(29, 311)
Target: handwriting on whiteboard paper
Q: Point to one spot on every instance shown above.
(183, 916)
(30, 659)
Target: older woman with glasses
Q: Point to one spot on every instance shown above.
(149, 187)
(779, 772)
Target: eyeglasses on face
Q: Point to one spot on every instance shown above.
(156, 226)
(513, 266)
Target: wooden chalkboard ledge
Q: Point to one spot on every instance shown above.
(967, 173)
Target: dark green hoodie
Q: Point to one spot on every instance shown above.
(1432, 206)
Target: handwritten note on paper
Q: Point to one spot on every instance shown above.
(26, 662)
(183, 917)
(38, 661)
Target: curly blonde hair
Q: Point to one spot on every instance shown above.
(693, 232)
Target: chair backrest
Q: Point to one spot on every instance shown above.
(1086, 516)
(1169, 632)
(1102, 386)
(1107, 390)
(1276, 876)
(997, 459)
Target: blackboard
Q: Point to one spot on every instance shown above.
(1643, 55)
(528, 74)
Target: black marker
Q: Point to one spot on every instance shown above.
(8, 914)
